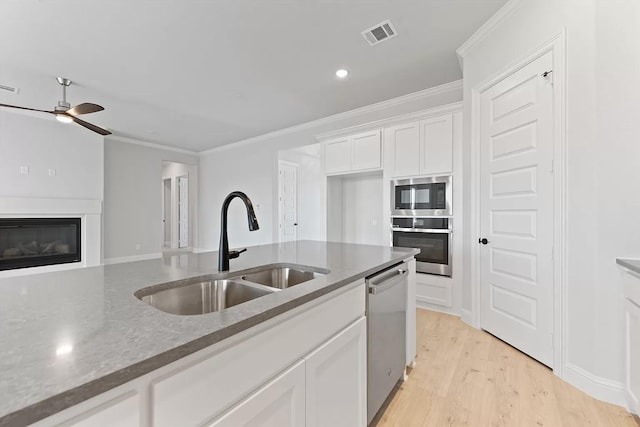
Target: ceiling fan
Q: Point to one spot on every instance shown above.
(66, 114)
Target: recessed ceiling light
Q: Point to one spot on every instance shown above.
(342, 73)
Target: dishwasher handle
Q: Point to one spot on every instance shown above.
(389, 282)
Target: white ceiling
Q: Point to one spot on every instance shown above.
(199, 74)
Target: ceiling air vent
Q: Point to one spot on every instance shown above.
(381, 32)
(13, 90)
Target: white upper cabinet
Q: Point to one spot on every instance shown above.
(405, 148)
(337, 155)
(436, 142)
(365, 151)
(421, 148)
(353, 153)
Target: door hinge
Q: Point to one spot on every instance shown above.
(551, 166)
(552, 254)
(551, 339)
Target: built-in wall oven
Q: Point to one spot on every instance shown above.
(421, 196)
(431, 235)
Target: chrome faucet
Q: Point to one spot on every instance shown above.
(223, 251)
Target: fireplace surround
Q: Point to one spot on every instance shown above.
(34, 242)
(89, 211)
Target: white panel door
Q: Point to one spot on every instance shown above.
(404, 143)
(183, 211)
(288, 202)
(337, 156)
(516, 145)
(366, 151)
(337, 380)
(280, 403)
(436, 142)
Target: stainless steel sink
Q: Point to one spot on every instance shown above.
(202, 296)
(282, 277)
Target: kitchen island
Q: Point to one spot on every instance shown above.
(73, 336)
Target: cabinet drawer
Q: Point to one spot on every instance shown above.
(199, 392)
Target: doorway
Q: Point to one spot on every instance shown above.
(288, 201)
(166, 211)
(179, 206)
(516, 194)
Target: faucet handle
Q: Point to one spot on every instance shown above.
(236, 254)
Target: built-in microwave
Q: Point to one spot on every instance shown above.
(422, 196)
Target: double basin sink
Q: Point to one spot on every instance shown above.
(202, 295)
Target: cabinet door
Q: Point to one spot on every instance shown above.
(436, 143)
(280, 403)
(337, 380)
(404, 147)
(366, 151)
(337, 156)
(633, 356)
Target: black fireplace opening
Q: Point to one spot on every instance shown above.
(34, 242)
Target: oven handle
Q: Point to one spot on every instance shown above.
(423, 230)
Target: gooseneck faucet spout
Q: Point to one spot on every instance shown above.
(223, 251)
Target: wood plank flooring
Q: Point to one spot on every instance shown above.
(467, 377)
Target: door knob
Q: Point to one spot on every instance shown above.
(483, 241)
(295, 223)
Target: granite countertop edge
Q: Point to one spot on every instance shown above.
(73, 396)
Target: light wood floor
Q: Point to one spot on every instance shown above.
(466, 377)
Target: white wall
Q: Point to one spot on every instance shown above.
(603, 48)
(362, 220)
(133, 198)
(311, 191)
(42, 143)
(251, 167)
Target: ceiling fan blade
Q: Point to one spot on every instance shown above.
(85, 108)
(96, 129)
(26, 108)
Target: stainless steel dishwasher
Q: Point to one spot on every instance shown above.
(386, 333)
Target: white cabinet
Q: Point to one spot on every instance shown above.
(405, 148)
(353, 153)
(423, 147)
(632, 382)
(337, 380)
(280, 403)
(436, 142)
(337, 154)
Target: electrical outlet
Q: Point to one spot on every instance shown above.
(52, 172)
(24, 170)
(138, 246)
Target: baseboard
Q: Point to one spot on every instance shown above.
(118, 260)
(434, 307)
(467, 317)
(595, 386)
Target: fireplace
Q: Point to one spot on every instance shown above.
(33, 242)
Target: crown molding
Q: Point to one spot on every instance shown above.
(391, 121)
(149, 144)
(378, 106)
(503, 13)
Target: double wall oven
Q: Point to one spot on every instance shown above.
(422, 218)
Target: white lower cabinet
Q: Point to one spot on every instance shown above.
(280, 403)
(337, 380)
(304, 367)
